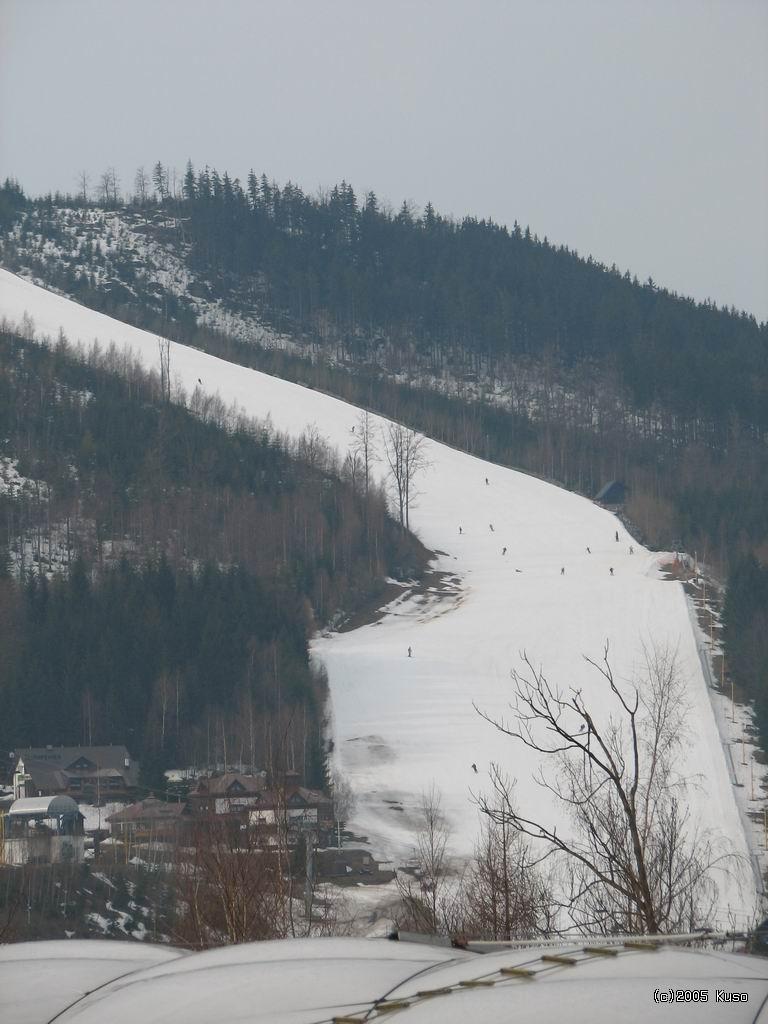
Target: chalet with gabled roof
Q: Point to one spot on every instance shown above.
(149, 819)
(87, 774)
(228, 793)
(247, 797)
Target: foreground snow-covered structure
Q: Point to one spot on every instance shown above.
(312, 981)
(520, 565)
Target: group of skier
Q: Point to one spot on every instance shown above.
(562, 568)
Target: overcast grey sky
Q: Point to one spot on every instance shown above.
(635, 130)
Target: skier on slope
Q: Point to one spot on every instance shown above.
(474, 767)
(562, 571)
(490, 527)
(503, 551)
(410, 649)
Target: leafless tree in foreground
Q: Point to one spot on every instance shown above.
(634, 861)
(343, 802)
(425, 894)
(405, 455)
(505, 894)
(230, 887)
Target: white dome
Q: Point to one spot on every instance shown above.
(306, 981)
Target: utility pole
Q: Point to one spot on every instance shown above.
(733, 703)
(310, 839)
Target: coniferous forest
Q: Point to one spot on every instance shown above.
(162, 571)
(604, 377)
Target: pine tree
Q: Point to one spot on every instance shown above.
(160, 181)
(189, 188)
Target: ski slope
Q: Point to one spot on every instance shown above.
(401, 724)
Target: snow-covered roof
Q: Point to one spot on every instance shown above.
(39, 979)
(304, 981)
(48, 805)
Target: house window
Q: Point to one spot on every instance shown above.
(75, 783)
(115, 783)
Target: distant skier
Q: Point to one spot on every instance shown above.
(460, 531)
(486, 481)
(589, 551)
(631, 550)
(617, 535)
(199, 381)
(474, 768)
(490, 527)
(611, 570)
(353, 430)
(410, 649)
(503, 551)
(562, 571)
(518, 570)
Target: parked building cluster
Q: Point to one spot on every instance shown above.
(47, 815)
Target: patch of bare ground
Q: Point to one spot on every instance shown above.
(433, 585)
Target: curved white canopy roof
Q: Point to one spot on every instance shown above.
(309, 981)
(51, 805)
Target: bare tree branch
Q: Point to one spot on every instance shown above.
(633, 859)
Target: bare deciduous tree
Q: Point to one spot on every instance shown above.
(109, 187)
(405, 454)
(313, 448)
(141, 187)
(229, 886)
(505, 895)
(164, 347)
(83, 183)
(634, 860)
(343, 802)
(424, 893)
(364, 447)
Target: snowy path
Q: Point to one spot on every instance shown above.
(402, 723)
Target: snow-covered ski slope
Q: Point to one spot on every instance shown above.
(401, 724)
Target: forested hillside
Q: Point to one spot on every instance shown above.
(471, 286)
(163, 569)
(484, 336)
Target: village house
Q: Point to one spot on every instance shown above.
(303, 808)
(87, 774)
(149, 820)
(247, 796)
(227, 793)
